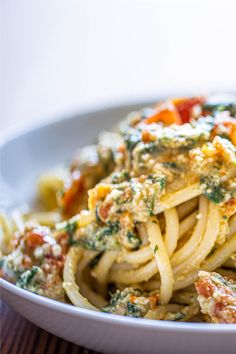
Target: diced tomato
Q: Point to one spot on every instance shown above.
(185, 105)
(218, 309)
(153, 300)
(230, 126)
(121, 148)
(132, 299)
(73, 193)
(33, 239)
(224, 310)
(230, 207)
(175, 111)
(232, 133)
(165, 113)
(205, 288)
(104, 211)
(147, 136)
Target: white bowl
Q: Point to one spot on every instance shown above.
(23, 156)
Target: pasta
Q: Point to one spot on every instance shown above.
(143, 224)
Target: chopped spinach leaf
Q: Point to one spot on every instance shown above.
(133, 310)
(172, 165)
(131, 138)
(133, 239)
(220, 107)
(179, 316)
(119, 177)
(128, 302)
(150, 148)
(102, 238)
(213, 190)
(161, 180)
(111, 229)
(25, 278)
(70, 228)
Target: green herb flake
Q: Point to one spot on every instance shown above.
(159, 180)
(155, 249)
(150, 148)
(150, 202)
(179, 316)
(172, 165)
(220, 107)
(111, 229)
(119, 177)
(133, 239)
(131, 138)
(2, 261)
(121, 304)
(101, 238)
(70, 229)
(25, 278)
(132, 310)
(213, 190)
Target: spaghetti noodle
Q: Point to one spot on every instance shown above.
(138, 218)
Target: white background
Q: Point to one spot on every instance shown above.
(57, 56)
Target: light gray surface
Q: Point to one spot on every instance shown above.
(23, 156)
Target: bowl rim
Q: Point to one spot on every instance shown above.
(72, 310)
(25, 127)
(20, 129)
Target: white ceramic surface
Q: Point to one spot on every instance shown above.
(24, 154)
